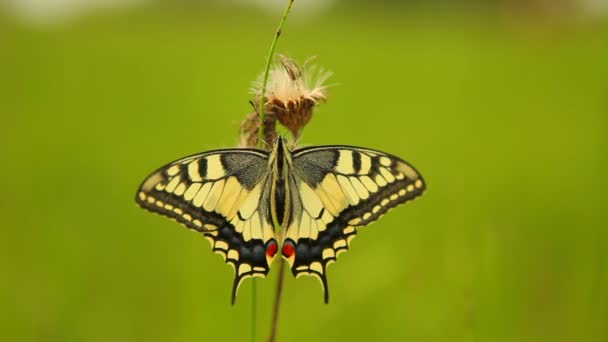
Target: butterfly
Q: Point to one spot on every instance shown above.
(316, 196)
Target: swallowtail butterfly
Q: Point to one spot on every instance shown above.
(317, 197)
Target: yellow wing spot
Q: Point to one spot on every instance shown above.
(172, 184)
(221, 245)
(187, 217)
(385, 161)
(380, 180)
(384, 202)
(192, 191)
(369, 184)
(215, 169)
(345, 162)
(399, 176)
(302, 268)
(151, 199)
(317, 267)
(160, 203)
(394, 197)
(212, 228)
(359, 188)
(348, 190)
(328, 253)
(366, 164)
(244, 268)
(376, 209)
(354, 221)
(402, 192)
(169, 207)
(201, 195)
(214, 196)
(160, 187)
(193, 171)
(340, 244)
(233, 254)
(366, 216)
(349, 229)
(197, 223)
(178, 211)
(173, 170)
(418, 184)
(180, 189)
(259, 269)
(387, 175)
(142, 196)
(410, 187)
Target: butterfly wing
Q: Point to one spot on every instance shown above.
(223, 194)
(338, 190)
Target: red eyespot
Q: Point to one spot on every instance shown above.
(271, 249)
(288, 249)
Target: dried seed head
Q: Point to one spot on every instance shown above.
(292, 92)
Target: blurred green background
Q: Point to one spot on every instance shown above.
(503, 108)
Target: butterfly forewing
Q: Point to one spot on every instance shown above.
(224, 194)
(340, 189)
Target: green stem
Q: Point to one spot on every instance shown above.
(277, 303)
(273, 46)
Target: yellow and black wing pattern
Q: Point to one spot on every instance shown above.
(223, 194)
(340, 189)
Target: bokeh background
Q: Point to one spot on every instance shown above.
(502, 105)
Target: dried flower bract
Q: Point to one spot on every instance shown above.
(292, 92)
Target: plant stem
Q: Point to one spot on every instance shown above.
(277, 302)
(273, 46)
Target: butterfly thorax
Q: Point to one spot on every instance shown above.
(280, 164)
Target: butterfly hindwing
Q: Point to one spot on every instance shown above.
(340, 188)
(223, 194)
